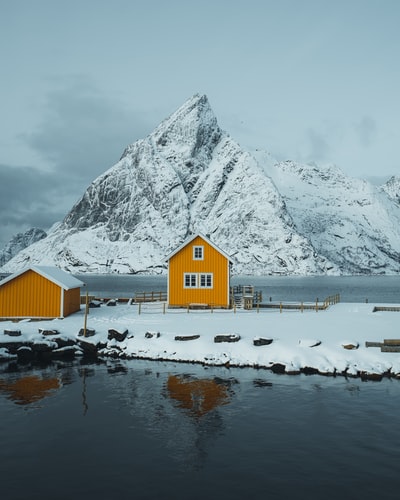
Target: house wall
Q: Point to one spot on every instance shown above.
(30, 295)
(72, 301)
(213, 262)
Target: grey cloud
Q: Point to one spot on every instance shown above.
(80, 136)
(82, 132)
(27, 199)
(366, 130)
(319, 145)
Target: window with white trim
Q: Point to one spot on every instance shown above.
(189, 280)
(198, 253)
(206, 280)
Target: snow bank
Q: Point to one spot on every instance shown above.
(327, 342)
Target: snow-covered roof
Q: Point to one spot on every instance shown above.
(54, 274)
(193, 237)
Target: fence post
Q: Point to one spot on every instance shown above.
(280, 307)
(302, 307)
(163, 307)
(140, 307)
(316, 306)
(187, 309)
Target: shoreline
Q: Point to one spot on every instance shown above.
(342, 340)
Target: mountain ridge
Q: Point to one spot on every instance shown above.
(189, 176)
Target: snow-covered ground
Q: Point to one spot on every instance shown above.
(300, 340)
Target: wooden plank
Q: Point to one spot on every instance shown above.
(390, 348)
(373, 344)
(395, 342)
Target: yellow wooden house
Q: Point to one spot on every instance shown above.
(198, 274)
(39, 292)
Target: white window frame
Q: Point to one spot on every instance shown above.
(193, 280)
(198, 249)
(198, 280)
(208, 280)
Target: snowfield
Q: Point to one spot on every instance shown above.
(331, 341)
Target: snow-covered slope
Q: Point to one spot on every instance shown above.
(189, 176)
(353, 223)
(19, 242)
(392, 188)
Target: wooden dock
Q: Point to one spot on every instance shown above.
(386, 308)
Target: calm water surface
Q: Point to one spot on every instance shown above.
(150, 430)
(278, 288)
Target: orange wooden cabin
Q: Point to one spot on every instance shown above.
(39, 292)
(198, 275)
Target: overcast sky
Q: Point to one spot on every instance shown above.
(308, 80)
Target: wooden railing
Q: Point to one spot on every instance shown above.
(304, 306)
(150, 297)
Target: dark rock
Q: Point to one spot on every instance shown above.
(187, 337)
(25, 354)
(88, 348)
(308, 370)
(12, 347)
(89, 332)
(377, 377)
(64, 353)
(227, 338)
(48, 332)
(258, 382)
(278, 368)
(64, 342)
(262, 341)
(94, 303)
(12, 333)
(150, 335)
(115, 334)
(42, 347)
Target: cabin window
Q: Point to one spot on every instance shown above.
(190, 280)
(201, 280)
(206, 280)
(198, 253)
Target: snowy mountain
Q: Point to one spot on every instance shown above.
(354, 224)
(19, 242)
(392, 189)
(189, 176)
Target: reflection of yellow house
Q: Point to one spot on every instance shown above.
(197, 396)
(29, 389)
(198, 273)
(39, 292)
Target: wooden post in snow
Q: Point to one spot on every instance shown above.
(86, 314)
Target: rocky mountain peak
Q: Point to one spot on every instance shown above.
(19, 242)
(392, 188)
(189, 176)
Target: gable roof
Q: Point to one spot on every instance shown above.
(54, 274)
(193, 237)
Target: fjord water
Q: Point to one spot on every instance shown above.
(277, 288)
(150, 430)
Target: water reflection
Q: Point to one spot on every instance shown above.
(30, 389)
(198, 396)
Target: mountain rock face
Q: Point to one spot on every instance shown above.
(392, 189)
(354, 224)
(19, 242)
(189, 176)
